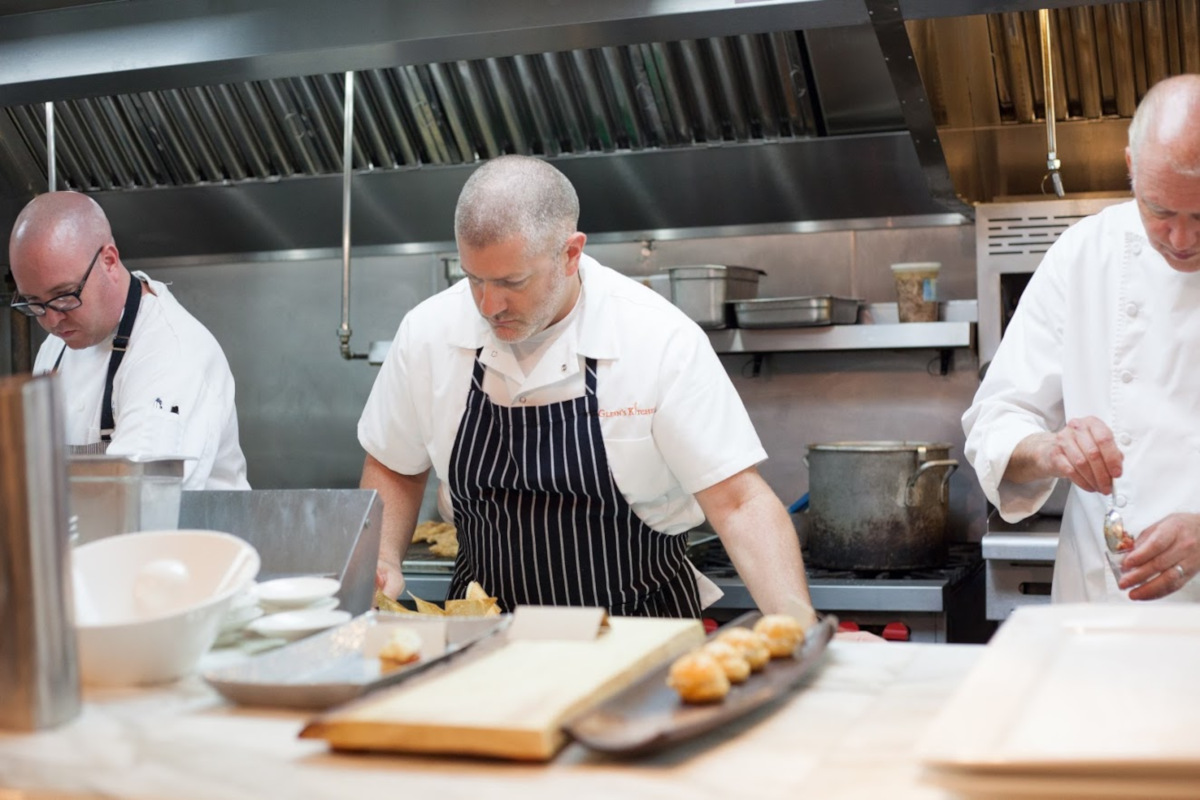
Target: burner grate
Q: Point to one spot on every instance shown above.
(962, 559)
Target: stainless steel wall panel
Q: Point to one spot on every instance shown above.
(103, 50)
(859, 100)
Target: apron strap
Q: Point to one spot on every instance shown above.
(133, 301)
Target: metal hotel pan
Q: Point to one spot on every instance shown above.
(794, 312)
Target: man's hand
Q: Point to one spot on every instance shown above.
(388, 578)
(1083, 452)
(1164, 557)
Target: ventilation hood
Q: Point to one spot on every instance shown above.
(209, 128)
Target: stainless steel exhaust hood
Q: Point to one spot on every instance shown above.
(208, 127)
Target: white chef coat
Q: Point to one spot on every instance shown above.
(1106, 329)
(672, 422)
(172, 396)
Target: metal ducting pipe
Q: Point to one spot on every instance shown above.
(347, 172)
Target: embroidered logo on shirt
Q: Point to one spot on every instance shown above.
(628, 411)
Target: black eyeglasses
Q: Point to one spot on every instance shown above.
(62, 303)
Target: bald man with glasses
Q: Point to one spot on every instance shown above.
(141, 376)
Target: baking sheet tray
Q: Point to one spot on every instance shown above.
(795, 312)
(337, 665)
(649, 715)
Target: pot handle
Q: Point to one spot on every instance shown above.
(910, 490)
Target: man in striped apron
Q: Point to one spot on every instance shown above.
(578, 422)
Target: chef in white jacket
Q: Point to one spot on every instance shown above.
(140, 375)
(1097, 379)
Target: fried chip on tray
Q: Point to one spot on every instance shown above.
(426, 607)
(467, 608)
(385, 603)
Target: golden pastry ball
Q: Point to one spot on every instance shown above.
(736, 667)
(698, 678)
(752, 645)
(782, 633)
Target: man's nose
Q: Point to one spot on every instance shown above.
(51, 318)
(1184, 233)
(491, 301)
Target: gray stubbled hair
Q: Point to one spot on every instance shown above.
(516, 195)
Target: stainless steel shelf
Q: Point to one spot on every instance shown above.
(899, 336)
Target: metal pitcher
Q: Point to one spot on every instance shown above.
(38, 668)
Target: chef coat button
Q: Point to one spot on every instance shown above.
(1126, 438)
(522, 400)
(1120, 501)
(1136, 248)
(1126, 377)
(1132, 309)
(564, 367)
(493, 354)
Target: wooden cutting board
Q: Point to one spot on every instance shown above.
(511, 702)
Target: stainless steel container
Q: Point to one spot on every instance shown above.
(122, 494)
(796, 312)
(39, 675)
(703, 291)
(878, 505)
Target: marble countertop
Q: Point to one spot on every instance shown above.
(849, 731)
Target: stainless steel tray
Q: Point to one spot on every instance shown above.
(335, 666)
(649, 715)
(796, 312)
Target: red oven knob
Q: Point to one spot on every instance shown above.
(896, 632)
(847, 625)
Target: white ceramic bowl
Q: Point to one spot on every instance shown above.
(149, 605)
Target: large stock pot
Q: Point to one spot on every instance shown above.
(878, 505)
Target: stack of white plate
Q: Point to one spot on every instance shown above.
(284, 608)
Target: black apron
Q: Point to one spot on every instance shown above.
(541, 521)
(133, 301)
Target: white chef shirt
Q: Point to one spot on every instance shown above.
(172, 396)
(1106, 329)
(671, 420)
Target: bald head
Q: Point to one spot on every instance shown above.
(59, 222)
(1168, 120)
(516, 196)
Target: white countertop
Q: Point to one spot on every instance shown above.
(849, 731)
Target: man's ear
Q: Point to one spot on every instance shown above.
(575, 244)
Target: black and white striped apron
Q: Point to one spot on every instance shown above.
(541, 521)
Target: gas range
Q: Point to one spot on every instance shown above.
(932, 605)
(927, 605)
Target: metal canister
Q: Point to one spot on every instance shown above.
(38, 666)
